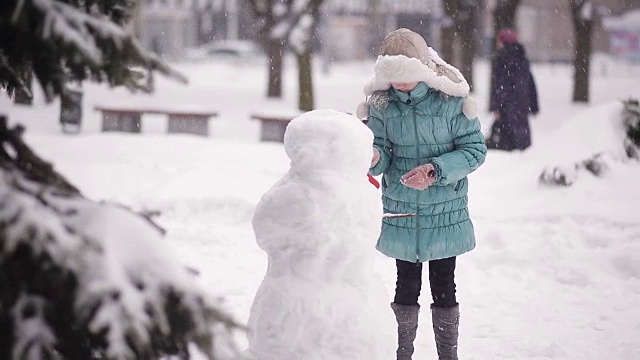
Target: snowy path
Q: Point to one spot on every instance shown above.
(540, 288)
(561, 288)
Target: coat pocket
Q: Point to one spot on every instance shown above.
(458, 186)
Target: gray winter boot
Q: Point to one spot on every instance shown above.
(445, 328)
(407, 319)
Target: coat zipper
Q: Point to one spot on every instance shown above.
(415, 127)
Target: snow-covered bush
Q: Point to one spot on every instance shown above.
(87, 280)
(565, 176)
(593, 141)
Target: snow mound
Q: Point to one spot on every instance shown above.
(589, 142)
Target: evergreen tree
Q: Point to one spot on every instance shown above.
(60, 41)
(80, 279)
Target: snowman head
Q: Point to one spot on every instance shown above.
(328, 141)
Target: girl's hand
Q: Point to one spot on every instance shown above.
(375, 158)
(420, 177)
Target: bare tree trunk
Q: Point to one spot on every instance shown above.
(305, 66)
(448, 33)
(582, 25)
(458, 31)
(448, 44)
(287, 19)
(275, 49)
(504, 15)
(467, 25)
(376, 27)
(266, 21)
(467, 55)
(305, 81)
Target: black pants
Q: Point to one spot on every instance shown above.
(441, 281)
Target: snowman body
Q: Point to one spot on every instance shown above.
(318, 224)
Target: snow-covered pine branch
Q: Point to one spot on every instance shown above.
(8, 75)
(62, 42)
(85, 280)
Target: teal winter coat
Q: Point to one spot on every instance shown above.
(416, 128)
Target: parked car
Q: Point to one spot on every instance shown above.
(233, 51)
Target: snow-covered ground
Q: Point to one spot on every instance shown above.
(555, 275)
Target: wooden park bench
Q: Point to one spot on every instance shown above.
(273, 126)
(129, 119)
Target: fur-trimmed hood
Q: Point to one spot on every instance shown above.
(405, 57)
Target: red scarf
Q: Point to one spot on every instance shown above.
(374, 181)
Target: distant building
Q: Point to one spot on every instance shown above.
(348, 29)
(224, 20)
(168, 27)
(354, 29)
(546, 27)
(624, 35)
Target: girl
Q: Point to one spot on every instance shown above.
(427, 140)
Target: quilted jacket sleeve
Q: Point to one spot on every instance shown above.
(380, 141)
(469, 153)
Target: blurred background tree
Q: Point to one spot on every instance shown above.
(459, 32)
(284, 24)
(582, 15)
(302, 42)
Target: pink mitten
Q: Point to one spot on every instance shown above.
(376, 157)
(420, 177)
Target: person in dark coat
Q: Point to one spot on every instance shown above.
(513, 95)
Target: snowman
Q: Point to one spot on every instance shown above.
(319, 299)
